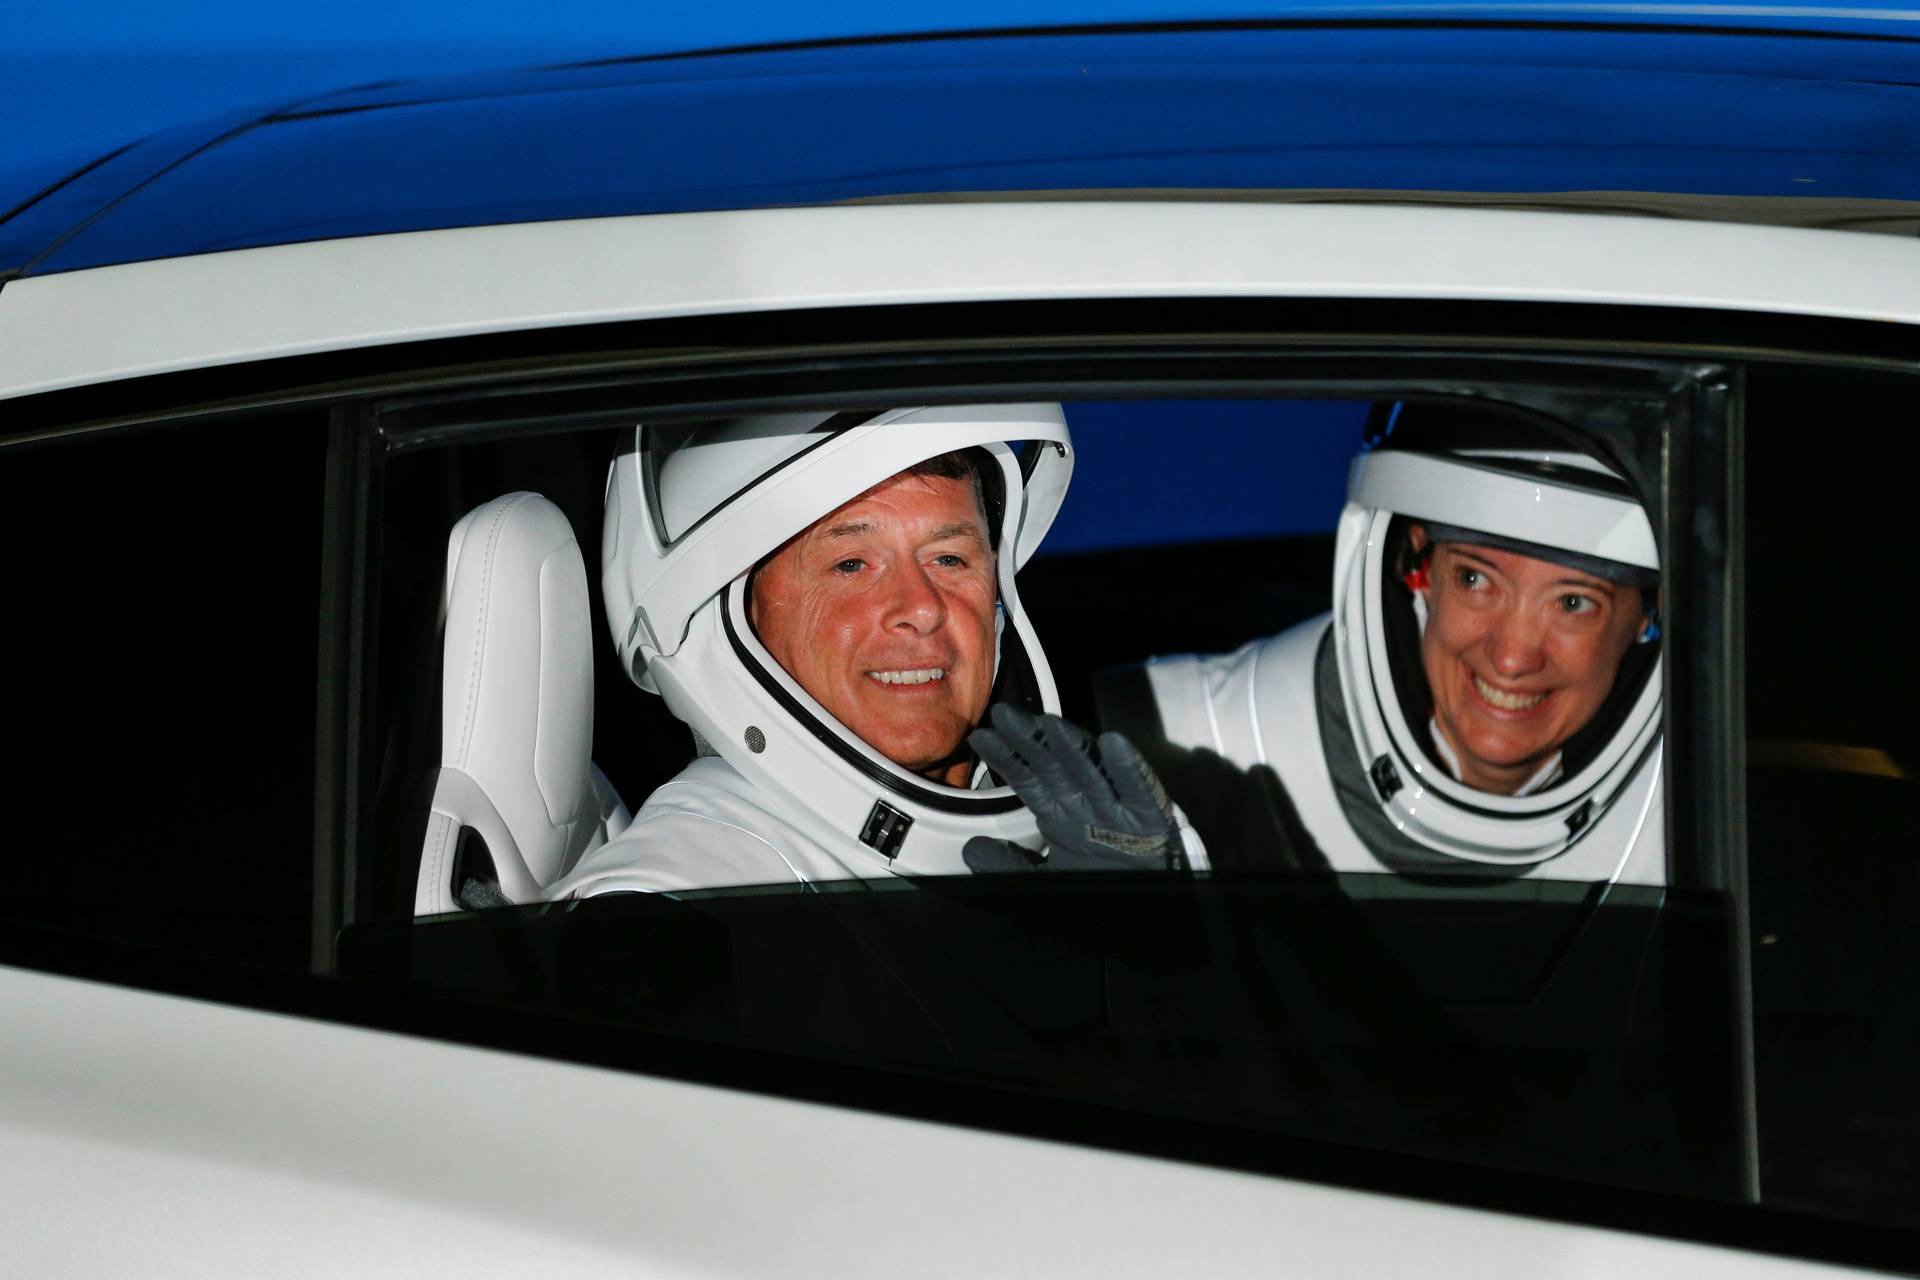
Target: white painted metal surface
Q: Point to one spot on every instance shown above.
(182, 313)
(155, 1136)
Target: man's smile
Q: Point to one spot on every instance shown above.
(915, 675)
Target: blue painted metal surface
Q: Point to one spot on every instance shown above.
(1511, 107)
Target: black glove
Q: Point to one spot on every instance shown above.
(1099, 806)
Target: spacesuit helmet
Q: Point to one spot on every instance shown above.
(1512, 487)
(693, 508)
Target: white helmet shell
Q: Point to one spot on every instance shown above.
(1565, 504)
(691, 510)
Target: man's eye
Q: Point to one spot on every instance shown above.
(1577, 604)
(850, 565)
(951, 561)
(1471, 579)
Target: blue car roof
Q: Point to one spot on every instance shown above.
(1509, 105)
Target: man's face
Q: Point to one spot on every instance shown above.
(1519, 654)
(883, 612)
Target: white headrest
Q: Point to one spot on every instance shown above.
(517, 691)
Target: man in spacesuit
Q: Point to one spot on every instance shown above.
(829, 602)
(1484, 698)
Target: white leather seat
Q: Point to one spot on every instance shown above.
(516, 735)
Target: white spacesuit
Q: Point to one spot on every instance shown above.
(783, 791)
(708, 827)
(1338, 713)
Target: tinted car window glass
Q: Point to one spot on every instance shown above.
(1831, 828)
(1571, 1028)
(163, 600)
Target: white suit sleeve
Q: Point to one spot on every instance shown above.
(663, 852)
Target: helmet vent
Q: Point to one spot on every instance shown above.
(1386, 778)
(1578, 819)
(756, 740)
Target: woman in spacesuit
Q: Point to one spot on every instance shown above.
(1484, 697)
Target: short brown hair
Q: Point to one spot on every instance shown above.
(975, 465)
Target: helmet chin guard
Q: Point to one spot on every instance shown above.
(688, 520)
(1558, 505)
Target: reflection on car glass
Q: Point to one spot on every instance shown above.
(1291, 1006)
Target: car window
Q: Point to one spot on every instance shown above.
(1540, 1021)
(1831, 711)
(163, 617)
(1405, 1026)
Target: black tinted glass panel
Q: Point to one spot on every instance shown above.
(1294, 1008)
(163, 600)
(1834, 844)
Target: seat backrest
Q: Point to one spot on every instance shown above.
(516, 726)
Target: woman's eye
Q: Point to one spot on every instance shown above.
(1471, 579)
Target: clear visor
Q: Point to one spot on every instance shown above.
(694, 469)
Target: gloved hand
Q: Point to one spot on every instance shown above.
(1099, 806)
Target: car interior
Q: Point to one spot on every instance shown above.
(494, 625)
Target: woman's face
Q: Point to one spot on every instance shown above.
(1519, 654)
